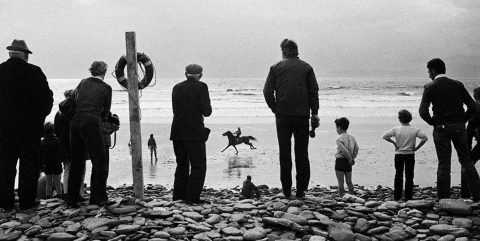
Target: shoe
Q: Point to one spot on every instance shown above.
(29, 206)
(300, 194)
(82, 198)
(107, 202)
(73, 205)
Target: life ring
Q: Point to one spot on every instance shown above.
(147, 64)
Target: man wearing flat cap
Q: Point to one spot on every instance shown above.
(25, 101)
(191, 102)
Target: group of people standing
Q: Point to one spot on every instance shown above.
(290, 90)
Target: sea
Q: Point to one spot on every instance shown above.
(371, 104)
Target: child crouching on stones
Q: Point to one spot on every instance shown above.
(405, 138)
(347, 150)
(249, 190)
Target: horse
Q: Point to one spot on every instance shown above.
(233, 141)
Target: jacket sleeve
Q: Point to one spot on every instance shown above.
(268, 91)
(425, 105)
(108, 104)
(205, 101)
(312, 86)
(45, 95)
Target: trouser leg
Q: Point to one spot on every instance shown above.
(181, 172)
(198, 162)
(49, 185)
(398, 186)
(29, 170)
(409, 173)
(9, 153)
(66, 171)
(443, 147)
(284, 135)
(58, 184)
(302, 164)
(77, 164)
(459, 139)
(465, 188)
(96, 149)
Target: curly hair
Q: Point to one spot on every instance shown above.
(98, 68)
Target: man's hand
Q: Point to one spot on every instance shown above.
(315, 121)
(351, 162)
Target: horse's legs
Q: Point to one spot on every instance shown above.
(251, 146)
(225, 148)
(235, 149)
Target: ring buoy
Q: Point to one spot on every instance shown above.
(147, 64)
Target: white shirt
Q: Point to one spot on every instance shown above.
(440, 76)
(405, 137)
(347, 146)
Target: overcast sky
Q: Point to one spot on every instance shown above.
(240, 38)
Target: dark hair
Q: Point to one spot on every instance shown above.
(98, 68)
(151, 135)
(48, 128)
(476, 93)
(289, 48)
(249, 177)
(343, 123)
(438, 65)
(404, 116)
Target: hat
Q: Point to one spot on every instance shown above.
(19, 45)
(193, 69)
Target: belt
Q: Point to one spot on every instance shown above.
(450, 125)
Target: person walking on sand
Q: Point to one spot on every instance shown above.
(347, 150)
(405, 148)
(191, 103)
(25, 101)
(94, 98)
(448, 97)
(291, 92)
(152, 145)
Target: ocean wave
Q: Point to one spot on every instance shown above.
(406, 93)
(338, 87)
(244, 94)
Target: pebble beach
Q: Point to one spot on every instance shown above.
(370, 214)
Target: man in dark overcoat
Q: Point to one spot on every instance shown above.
(191, 102)
(25, 101)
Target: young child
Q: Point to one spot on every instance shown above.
(52, 163)
(347, 150)
(405, 138)
(249, 190)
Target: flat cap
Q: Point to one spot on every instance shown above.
(193, 69)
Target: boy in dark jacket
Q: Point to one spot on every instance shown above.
(249, 190)
(51, 163)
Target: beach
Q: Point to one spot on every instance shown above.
(370, 104)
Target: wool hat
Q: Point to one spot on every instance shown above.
(19, 45)
(193, 69)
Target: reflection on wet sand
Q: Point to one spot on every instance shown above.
(235, 164)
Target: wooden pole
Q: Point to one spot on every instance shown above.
(134, 110)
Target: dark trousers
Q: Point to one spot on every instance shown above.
(443, 137)
(86, 136)
(28, 151)
(465, 188)
(298, 126)
(404, 162)
(190, 172)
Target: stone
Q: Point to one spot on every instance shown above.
(455, 207)
(447, 238)
(294, 210)
(361, 237)
(123, 210)
(32, 231)
(193, 215)
(231, 231)
(361, 226)
(279, 206)
(283, 223)
(463, 223)
(161, 234)
(317, 238)
(238, 218)
(382, 216)
(202, 237)
(157, 214)
(127, 228)
(10, 224)
(295, 218)
(372, 204)
(61, 237)
(339, 215)
(213, 219)
(444, 229)
(177, 231)
(93, 223)
(10, 236)
(419, 204)
(256, 233)
(244, 206)
(74, 228)
(340, 232)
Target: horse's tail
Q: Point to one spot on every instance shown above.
(251, 138)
